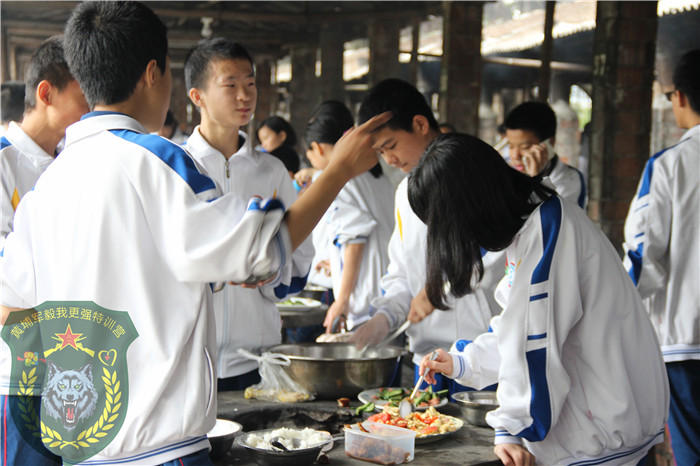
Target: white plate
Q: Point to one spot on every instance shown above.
(373, 396)
(305, 304)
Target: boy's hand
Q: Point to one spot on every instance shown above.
(353, 153)
(512, 454)
(371, 332)
(535, 159)
(420, 307)
(442, 364)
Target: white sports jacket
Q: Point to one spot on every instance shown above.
(361, 213)
(662, 245)
(22, 161)
(581, 378)
(469, 316)
(248, 318)
(124, 219)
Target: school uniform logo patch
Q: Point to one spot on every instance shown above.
(69, 381)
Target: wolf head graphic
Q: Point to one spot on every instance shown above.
(69, 395)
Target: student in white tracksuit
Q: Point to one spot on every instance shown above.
(662, 255)
(359, 221)
(581, 379)
(221, 83)
(53, 102)
(125, 219)
(248, 318)
(403, 294)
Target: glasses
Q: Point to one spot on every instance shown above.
(669, 94)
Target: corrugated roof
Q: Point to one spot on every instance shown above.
(570, 18)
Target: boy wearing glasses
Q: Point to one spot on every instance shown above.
(662, 255)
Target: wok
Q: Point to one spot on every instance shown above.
(335, 370)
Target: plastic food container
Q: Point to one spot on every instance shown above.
(381, 444)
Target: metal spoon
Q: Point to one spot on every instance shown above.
(406, 405)
(276, 444)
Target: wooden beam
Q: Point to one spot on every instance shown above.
(547, 46)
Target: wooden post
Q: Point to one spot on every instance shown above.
(547, 44)
(623, 73)
(460, 76)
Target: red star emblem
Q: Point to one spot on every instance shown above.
(69, 338)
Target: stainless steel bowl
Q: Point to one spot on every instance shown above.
(221, 437)
(299, 457)
(475, 405)
(335, 370)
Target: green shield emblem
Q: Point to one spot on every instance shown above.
(73, 355)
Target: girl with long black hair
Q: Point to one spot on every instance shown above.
(578, 365)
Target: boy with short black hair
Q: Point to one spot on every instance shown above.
(401, 142)
(530, 129)
(220, 79)
(53, 100)
(124, 219)
(662, 248)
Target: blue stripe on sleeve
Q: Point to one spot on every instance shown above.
(537, 297)
(648, 172)
(550, 216)
(4, 142)
(635, 257)
(173, 155)
(539, 336)
(540, 409)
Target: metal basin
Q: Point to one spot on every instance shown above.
(334, 370)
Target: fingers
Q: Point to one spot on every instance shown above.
(375, 122)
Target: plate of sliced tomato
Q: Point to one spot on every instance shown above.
(391, 396)
(429, 426)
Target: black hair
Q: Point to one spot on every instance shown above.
(48, 63)
(537, 117)
(279, 124)
(448, 126)
(12, 101)
(170, 119)
(288, 156)
(686, 78)
(205, 52)
(328, 123)
(108, 46)
(400, 97)
(470, 199)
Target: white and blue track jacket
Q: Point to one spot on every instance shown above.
(126, 220)
(363, 212)
(22, 161)
(569, 183)
(248, 318)
(581, 378)
(662, 245)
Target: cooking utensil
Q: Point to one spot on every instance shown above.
(335, 370)
(406, 407)
(402, 328)
(475, 405)
(275, 442)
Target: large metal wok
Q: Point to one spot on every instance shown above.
(335, 370)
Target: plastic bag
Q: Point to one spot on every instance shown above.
(275, 383)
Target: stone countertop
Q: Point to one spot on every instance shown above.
(470, 445)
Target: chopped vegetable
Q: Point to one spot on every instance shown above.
(367, 408)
